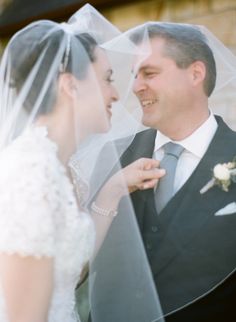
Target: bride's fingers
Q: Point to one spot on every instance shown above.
(151, 179)
(148, 184)
(151, 174)
(148, 164)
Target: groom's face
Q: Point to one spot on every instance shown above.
(161, 87)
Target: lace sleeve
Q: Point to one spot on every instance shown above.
(28, 204)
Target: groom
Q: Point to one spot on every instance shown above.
(190, 249)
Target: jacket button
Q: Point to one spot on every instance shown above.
(149, 245)
(154, 229)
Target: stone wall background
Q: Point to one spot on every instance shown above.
(219, 16)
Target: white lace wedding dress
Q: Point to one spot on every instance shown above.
(39, 217)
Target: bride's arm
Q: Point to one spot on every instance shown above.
(142, 174)
(27, 284)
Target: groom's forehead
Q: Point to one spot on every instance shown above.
(150, 46)
(154, 52)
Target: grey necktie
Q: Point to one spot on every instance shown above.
(164, 191)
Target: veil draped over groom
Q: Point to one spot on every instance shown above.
(190, 244)
(128, 279)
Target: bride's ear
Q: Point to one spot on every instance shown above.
(68, 84)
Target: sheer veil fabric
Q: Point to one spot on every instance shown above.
(62, 73)
(126, 274)
(221, 102)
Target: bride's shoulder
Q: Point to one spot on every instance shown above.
(29, 205)
(30, 151)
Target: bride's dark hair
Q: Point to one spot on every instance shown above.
(43, 42)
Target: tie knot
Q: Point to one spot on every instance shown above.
(173, 149)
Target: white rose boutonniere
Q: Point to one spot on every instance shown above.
(223, 175)
(221, 172)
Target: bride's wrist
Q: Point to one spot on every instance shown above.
(110, 195)
(104, 212)
(115, 188)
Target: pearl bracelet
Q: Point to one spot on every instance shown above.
(103, 212)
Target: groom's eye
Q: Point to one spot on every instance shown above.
(150, 73)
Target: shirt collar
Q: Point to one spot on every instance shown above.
(196, 143)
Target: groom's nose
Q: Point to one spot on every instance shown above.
(139, 84)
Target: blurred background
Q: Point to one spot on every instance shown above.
(219, 16)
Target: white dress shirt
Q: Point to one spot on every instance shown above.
(195, 146)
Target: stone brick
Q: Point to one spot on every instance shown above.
(4, 4)
(1, 49)
(201, 7)
(223, 25)
(165, 12)
(127, 16)
(3, 43)
(221, 5)
(181, 9)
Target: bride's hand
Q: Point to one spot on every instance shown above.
(141, 174)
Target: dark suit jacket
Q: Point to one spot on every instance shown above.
(191, 251)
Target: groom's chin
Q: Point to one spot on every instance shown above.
(147, 121)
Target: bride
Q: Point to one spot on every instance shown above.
(56, 91)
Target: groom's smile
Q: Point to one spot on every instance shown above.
(148, 102)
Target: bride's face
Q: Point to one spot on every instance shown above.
(96, 96)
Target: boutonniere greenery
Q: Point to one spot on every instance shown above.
(224, 174)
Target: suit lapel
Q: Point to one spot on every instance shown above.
(186, 213)
(141, 147)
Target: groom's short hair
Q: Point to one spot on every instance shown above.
(185, 44)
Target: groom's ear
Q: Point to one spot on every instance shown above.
(68, 84)
(198, 72)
